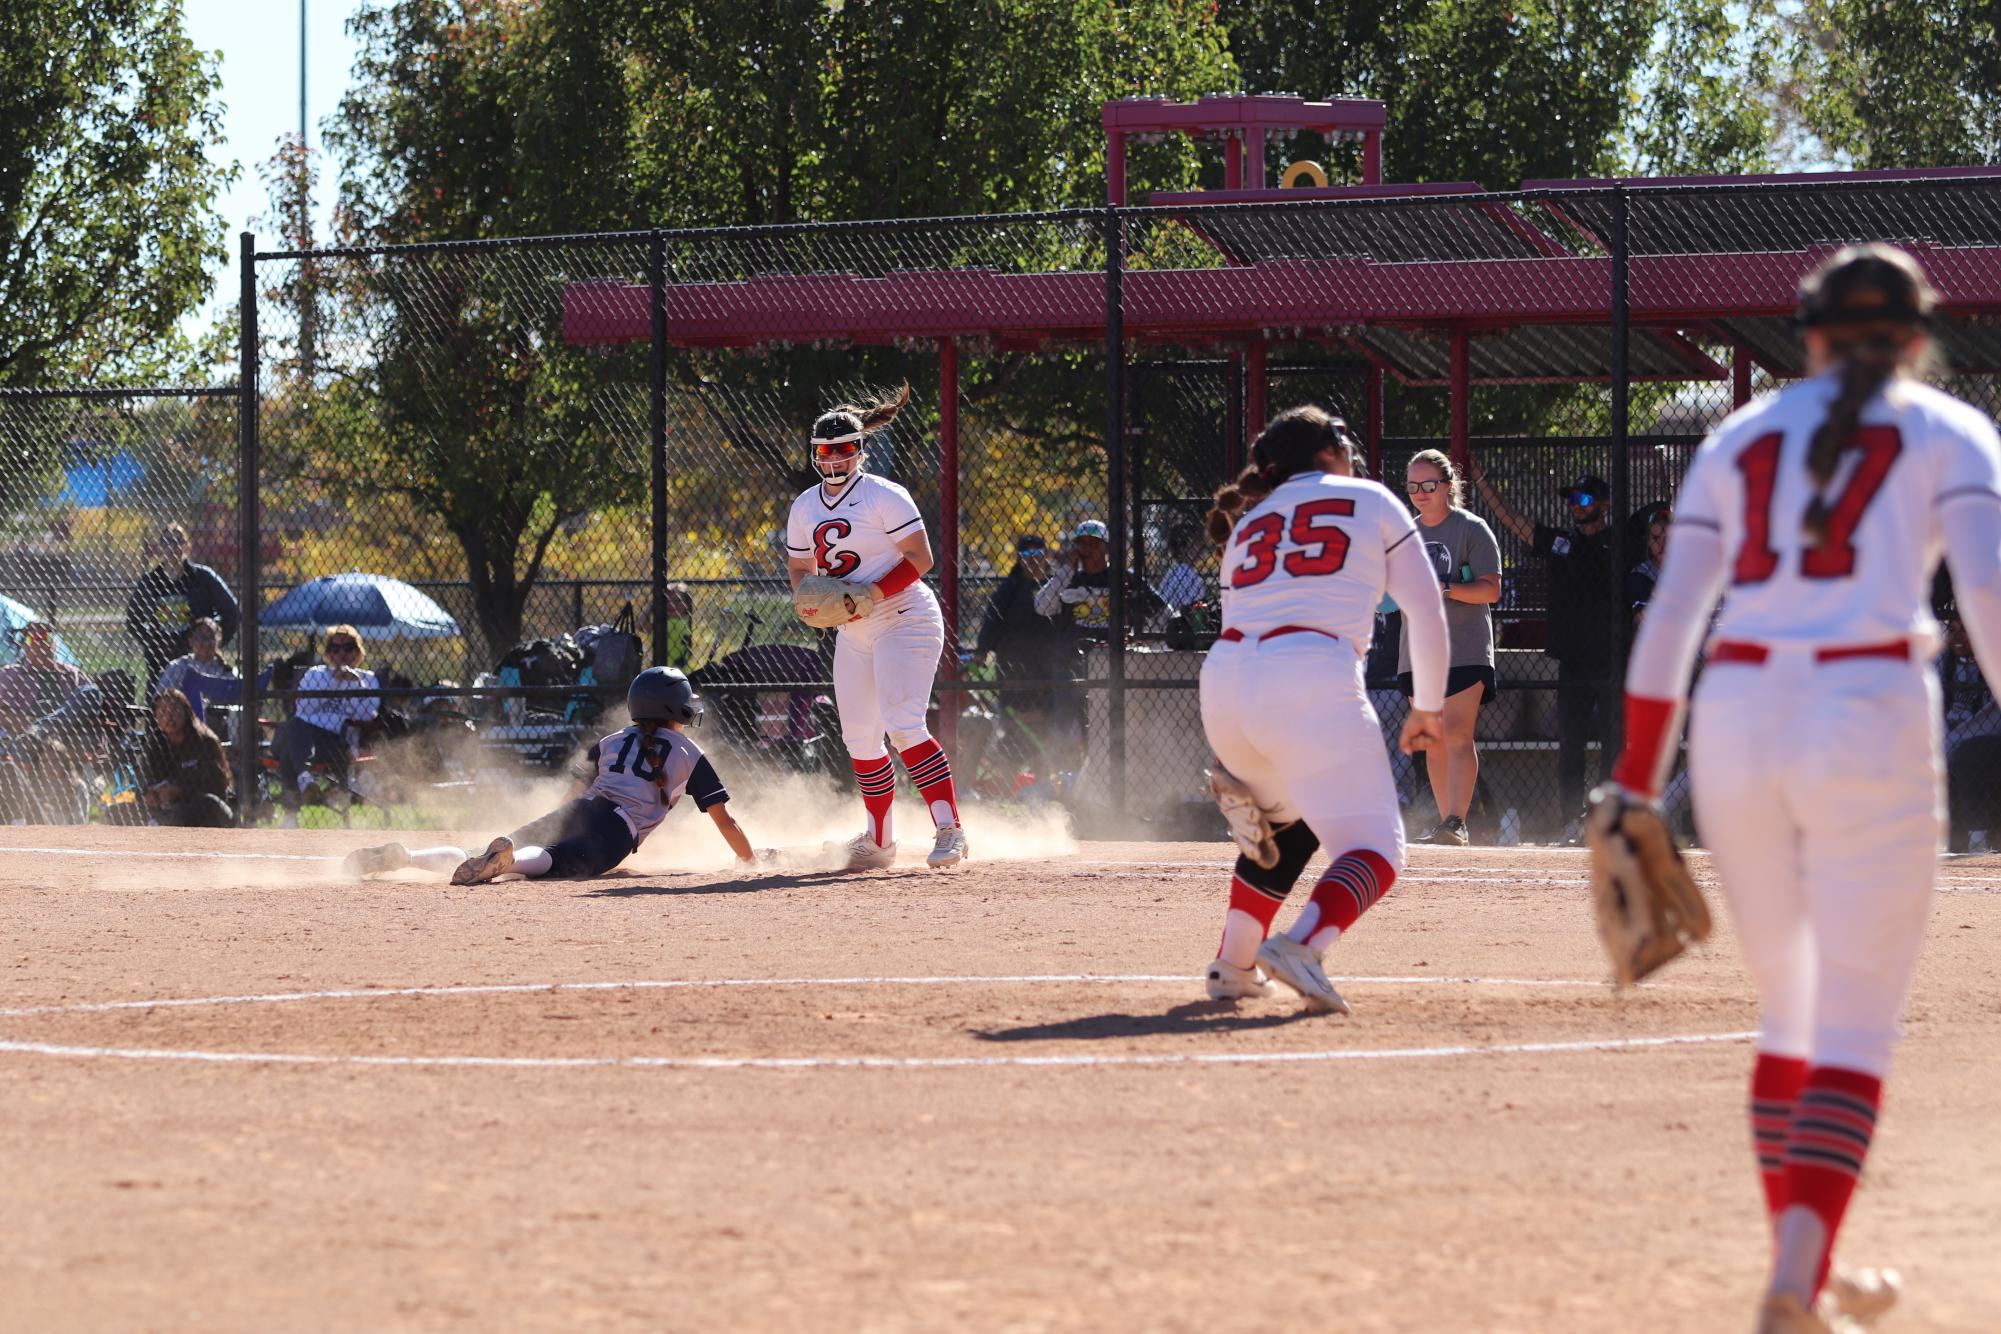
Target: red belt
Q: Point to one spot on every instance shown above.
(1755, 655)
(1236, 636)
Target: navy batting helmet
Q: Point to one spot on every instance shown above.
(663, 695)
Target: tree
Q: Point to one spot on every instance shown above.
(108, 227)
(456, 392)
(1893, 84)
(1502, 91)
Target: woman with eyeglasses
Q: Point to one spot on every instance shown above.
(1467, 561)
(318, 728)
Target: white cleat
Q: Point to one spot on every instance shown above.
(369, 861)
(951, 848)
(1229, 982)
(862, 853)
(1861, 1295)
(497, 860)
(1288, 961)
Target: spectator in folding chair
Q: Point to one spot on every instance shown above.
(53, 718)
(201, 659)
(318, 730)
(182, 769)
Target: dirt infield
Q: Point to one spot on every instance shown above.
(991, 1099)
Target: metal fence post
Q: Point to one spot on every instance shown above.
(249, 536)
(656, 279)
(1115, 467)
(1622, 464)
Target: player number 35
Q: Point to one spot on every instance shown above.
(1320, 547)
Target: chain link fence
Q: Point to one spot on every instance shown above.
(476, 457)
(118, 562)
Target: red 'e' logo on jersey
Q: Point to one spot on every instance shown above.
(840, 564)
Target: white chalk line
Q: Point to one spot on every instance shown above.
(1083, 1060)
(701, 983)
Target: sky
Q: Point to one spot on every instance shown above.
(259, 44)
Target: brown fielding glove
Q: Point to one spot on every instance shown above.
(824, 601)
(1648, 907)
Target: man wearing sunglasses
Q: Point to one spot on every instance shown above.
(1584, 610)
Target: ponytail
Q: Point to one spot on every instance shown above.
(868, 417)
(1233, 498)
(1865, 369)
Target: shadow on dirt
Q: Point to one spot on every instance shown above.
(1193, 1019)
(780, 880)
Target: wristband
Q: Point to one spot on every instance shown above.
(1649, 737)
(900, 577)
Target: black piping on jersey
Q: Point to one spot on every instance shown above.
(1959, 491)
(905, 524)
(1697, 521)
(1400, 541)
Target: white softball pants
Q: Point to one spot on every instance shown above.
(1291, 718)
(884, 668)
(1819, 790)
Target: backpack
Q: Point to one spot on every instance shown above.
(613, 651)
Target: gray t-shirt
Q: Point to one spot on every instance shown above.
(1461, 544)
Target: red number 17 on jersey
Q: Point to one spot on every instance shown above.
(1322, 548)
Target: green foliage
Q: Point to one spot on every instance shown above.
(107, 225)
(1499, 91)
(1893, 83)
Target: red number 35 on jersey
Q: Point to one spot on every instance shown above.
(1322, 548)
(831, 560)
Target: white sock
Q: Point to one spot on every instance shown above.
(438, 859)
(1802, 1242)
(1242, 934)
(531, 860)
(1308, 933)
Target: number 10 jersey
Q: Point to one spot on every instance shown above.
(1313, 554)
(644, 778)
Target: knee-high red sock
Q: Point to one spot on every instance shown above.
(931, 775)
(1833, 1122)
(1775, 1087)
(1247, 922)
(877, 780)
(1346, 891)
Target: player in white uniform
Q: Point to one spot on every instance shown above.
(625, 785)
(1819, 515)
(1309, 552)
(865, 529)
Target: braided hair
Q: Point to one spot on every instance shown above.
(1871, 303)
(1289, 445)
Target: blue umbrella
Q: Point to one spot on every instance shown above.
(14, 618)
(388, 607)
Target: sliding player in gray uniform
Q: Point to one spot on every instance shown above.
(626, 784)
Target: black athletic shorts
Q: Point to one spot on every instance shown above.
(1456, 680)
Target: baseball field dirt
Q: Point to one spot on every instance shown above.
(245, 1093)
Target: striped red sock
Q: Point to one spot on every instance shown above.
(1833, 1122)
(1248, 922)
(1775, 1087)
(1346, 890)
(931, 775)
(877, 780)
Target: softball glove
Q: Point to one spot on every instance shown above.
(823, 600)
(1649, 910)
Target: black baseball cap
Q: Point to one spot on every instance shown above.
(1592, 486)
(1030, 542)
